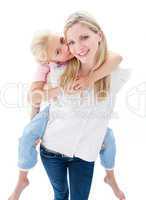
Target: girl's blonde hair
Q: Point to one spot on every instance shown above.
(40, 45)
(101, 86)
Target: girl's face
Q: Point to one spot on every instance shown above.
(58, 50)
(83, 42)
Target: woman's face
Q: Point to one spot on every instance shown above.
(83, 42)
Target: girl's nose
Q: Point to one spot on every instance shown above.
(66, 49)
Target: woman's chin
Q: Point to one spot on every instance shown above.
(83, 60)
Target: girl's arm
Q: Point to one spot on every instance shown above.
(51, 93)
(40, 91)
(35, 96)
(36, 92)
(111, 63)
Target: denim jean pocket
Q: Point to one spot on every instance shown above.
(46, 154)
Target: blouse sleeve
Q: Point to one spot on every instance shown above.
(119, 78)
(42, 73)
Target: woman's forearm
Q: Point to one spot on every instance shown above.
(34, 111)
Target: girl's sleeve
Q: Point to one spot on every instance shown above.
(42, 73)
(119, 78)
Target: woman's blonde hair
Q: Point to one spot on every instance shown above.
(40, 45)
(101, 86)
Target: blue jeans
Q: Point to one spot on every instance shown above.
(80, 175)
(27, 154)
(108, 151)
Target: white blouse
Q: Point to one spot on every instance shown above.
(77, 125)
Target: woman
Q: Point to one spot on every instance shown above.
(78, 121)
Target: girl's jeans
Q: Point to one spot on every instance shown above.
(27, 154)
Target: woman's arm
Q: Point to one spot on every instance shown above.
(111, 63)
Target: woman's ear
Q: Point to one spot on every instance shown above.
(99, 33)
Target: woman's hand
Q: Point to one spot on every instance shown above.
(37, 142)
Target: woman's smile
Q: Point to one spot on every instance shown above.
(83, 53)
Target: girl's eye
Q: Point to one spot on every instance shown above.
(62, 40)
(70, 43)
(57, 52)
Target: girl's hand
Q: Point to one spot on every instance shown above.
(70, 90)
(83, 83)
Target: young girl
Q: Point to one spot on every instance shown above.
(49, 48)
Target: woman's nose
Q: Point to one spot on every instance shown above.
(79, 47)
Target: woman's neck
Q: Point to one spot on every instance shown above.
(86, 68)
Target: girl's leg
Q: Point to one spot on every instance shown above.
(27, 157)
(111, 181)
(107, 156)
(56, 168)
(80, 177)
(20, 186)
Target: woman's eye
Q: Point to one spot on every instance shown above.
(85, 37)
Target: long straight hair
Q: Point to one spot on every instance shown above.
(101, 86)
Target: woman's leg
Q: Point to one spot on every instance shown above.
(80, 178)
(27, 157)
(107, 157)
(56, 169)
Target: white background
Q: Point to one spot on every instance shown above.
(124, 25)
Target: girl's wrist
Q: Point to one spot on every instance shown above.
(92, 79)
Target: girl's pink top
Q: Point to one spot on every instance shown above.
(41, 73)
